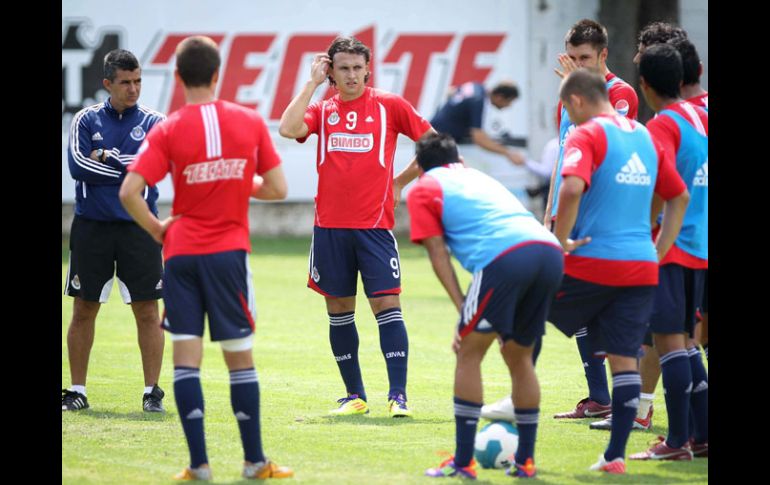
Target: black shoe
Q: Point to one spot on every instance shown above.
(73, 401)
(153, 402)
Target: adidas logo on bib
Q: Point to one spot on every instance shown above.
(633, 172)
(702, 176)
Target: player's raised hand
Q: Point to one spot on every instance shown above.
(320, 68)
(567, 65)
(572, 245)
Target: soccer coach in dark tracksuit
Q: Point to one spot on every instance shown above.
(104, 240)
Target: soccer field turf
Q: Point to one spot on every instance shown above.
(115, 442)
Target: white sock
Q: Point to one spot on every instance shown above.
(148, 390)
(645, 401)
(80, 389)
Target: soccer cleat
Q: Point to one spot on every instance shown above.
(699, 450)
(447, 468)
(661, 451)
(397, 407)
(203, 472)
(586, 408)
(501, 410)
(73, 400)
(638, 424)
(527, 470)
(614, 467)
(350, 405)
(262, 470)
(153, 402)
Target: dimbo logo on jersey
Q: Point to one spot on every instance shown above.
(350, 142)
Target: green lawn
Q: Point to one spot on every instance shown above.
(117, 443)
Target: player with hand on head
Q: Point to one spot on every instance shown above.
(357, 132)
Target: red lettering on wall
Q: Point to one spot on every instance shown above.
(422, 47)
(296, 48)
(163, 57)
(236, 74)
(466, 69)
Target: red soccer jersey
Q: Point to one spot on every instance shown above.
(622, 97)
(701, 100)
(357, 142)
(665, 131)
(213, 151)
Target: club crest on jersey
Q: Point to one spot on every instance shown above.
(333, 119)
(137, 134)
(622, 107)
(572, 157)
(350, 142)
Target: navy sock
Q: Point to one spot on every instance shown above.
(677, 384)
(526, 422)
(244, 398)
(537, 349)
(394, 344)
(626, 387)
(344, 339)
(466, 418)
(699, 399)
(189, 403)
(596, 374)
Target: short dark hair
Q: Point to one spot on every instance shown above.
(586, 83)
(661, 67)
(506, 89)
(119, 59)
(690, 60)
(349, 45)
(659, 33)
(587, 31)
(197, 59)
(435, 150)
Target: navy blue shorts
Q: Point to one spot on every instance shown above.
(679, 294)
(616, 316)
(218, 285)
(337, 256)
(511, 295)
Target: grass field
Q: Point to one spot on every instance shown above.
(117, 443)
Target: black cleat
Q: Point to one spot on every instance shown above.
(153, 402)
(73, 401)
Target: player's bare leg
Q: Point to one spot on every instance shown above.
(151, 339)
(80, 338)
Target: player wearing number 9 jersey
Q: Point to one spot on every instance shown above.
(357, 132)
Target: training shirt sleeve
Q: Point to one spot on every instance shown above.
(267, 157)
(406, 119)
(584, 151)
(312, 119)
(425, 205)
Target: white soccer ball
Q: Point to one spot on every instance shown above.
(496, 444)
